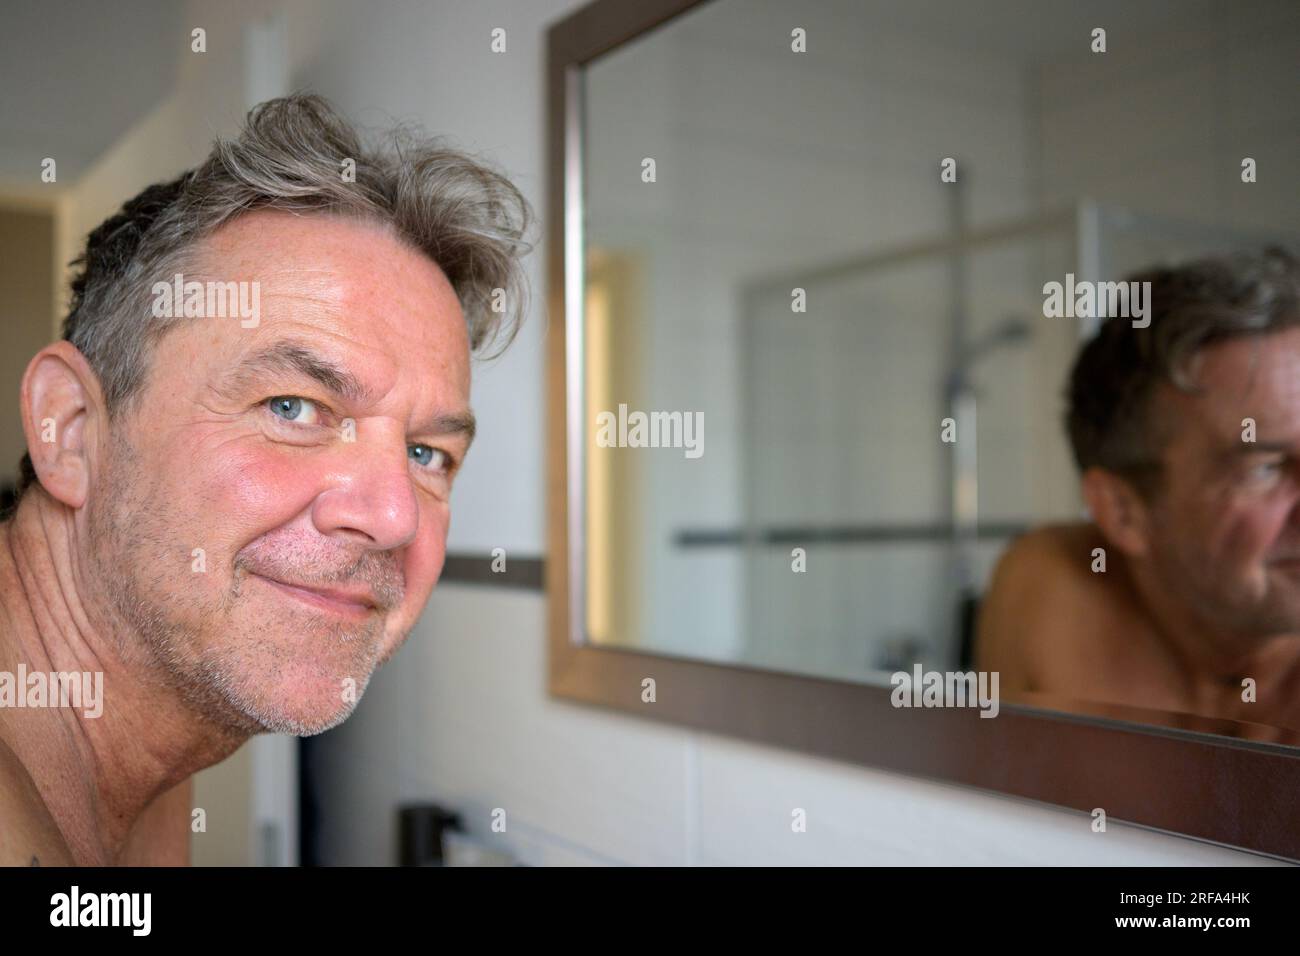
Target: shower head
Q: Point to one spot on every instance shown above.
(1013, 330)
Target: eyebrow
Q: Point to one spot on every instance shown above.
(296, 358)
(1238, 451)
(456, 424)
(1260, 447)
(289, 356)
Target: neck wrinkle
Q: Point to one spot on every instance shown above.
(95, 775)
(1196, 643)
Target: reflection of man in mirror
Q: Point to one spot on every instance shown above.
(1183, 592)
(230, 518)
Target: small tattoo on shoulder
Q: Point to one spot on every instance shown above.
(35, 861)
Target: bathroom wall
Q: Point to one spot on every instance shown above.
(27, 237)
(1136, 131)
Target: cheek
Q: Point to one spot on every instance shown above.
(425, 555)
(244, 493)
(1278, 525)
(1248, 531)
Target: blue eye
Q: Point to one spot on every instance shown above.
(291, 408)
(423, 454)
(286, 407)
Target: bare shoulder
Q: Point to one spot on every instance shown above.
(1042, 597)
(1066, 549)
(1046, 566)
(28, 834)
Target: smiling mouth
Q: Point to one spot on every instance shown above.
(356, 607)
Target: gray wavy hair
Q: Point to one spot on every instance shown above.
(291, 154)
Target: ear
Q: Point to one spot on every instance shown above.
(62, 408)
(1119, 511)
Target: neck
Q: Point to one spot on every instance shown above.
(96, 774)
(1209, 652)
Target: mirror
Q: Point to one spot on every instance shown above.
(832, 255)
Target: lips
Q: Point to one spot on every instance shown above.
(353, 602)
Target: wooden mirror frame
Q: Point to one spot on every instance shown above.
(1220, 781)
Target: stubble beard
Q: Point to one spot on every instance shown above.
(189, 642)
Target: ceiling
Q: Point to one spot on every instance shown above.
(77, 74)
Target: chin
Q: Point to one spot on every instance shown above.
(299, 701)
(304, 718)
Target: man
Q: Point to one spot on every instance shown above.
(234, 515)
(1183, 591)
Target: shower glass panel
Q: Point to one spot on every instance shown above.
(847, 467)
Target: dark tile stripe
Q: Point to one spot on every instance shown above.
(520, 572)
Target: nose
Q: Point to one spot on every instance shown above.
(370, 496)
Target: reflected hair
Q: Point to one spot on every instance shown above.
(1111, 416)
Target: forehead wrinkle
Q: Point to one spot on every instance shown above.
(327, 303)
(223, 254)
(316, 293)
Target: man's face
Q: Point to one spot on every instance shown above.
(272, 516)
(1226, 528)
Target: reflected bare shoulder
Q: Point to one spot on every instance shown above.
(1039, 579)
